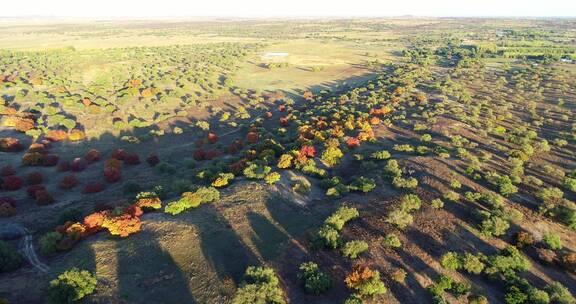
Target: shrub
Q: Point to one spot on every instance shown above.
(56, 135)
(68, 182)
(32, 159)
(49, 242)
(153, 160)
(94, 221)
(10, 259)
(405, 183)
(455, 184)
(272, 178)
(559, 294)
(568, 261)
(380, 155)
(112, 175)
(353, 299)
(552, 241)
(314, 281)
(34, 178)
(260, 285)
(50, 160)
(212, 138)
(12, 183)
(164, 168)
(392, 240)
(131, 159)
(43, 197)
(187, 201)
(285, 161)
(182, 185)
(6, 209)
(410, 202)
(122, 225)
(254, 171)
(472, 263)
(524, 238)
(459, 289)
(192, 200)
(570, 184)
(208, 194)
(331, 156)
(365, 282)
(400, 218)
(392, 169)
(76, 135)
(93, 187)
(222, 180)
(10, 144)
(31, 191)
(515, 296)
(78, 165)
(451, 196)
(327, 237)
(354, 248)
(341, 216)
(437, 203)
(362, 184)
(148, 200)
(451, 261)
(493, 223)
(92, 156)
(538, 296)
(478, 300)
(399, 275)
(71, 286)
(509, 259)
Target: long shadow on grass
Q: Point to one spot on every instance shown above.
(222, 247)
(267, 236)
(294, 219)
(147, 273)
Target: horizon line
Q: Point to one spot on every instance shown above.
(248, 17)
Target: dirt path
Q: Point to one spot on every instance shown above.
(30, 252)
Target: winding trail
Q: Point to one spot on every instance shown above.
(30, 252)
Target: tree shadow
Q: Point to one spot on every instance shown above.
(267, 237)
(146, 273)
(222, 247)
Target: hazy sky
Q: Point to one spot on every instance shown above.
(291, 8)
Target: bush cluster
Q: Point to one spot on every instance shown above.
(313, 279)
(260, 285)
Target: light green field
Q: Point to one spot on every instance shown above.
(340, 61)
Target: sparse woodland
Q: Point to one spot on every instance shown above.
(145, 174)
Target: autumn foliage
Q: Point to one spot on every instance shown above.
(34, 178)
(112, 174)
(7, 206)
(10, 144)
(56, 135)
(78, 165)
(152, 160)
(68, 182)
(92, 156)
(93, 187)
(12, 183)
(252, 137)
(353, 142)
(212, 138)
(43, 197)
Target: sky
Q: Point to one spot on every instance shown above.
(285, 8)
